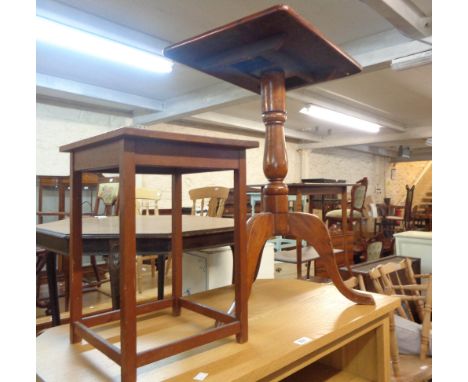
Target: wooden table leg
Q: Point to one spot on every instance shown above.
(41, 260)
(114, 277)
(52, 284)
(160, 263)
(240, 250)
(76, 251)
(39, 206)
(299, 241)
(324, 212)
(344, 209)
(66, 276)
(127, 261)
(61, 200)
(176, 242)
(233, 263)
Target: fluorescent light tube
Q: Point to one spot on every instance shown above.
(412, 61)
(61, 35)
(340, 119)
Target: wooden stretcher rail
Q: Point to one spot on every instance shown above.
(187, 343)
(207, 311)
(114, 315)
(110, 350)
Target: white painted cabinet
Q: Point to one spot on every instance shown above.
(212, 268)
(415, 244)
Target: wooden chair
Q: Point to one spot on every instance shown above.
(392, 282)
(355, 212)
(216, 197)
(308, 254)
(404, 223)
(422, 218)
(146, 200)
(374, 248)
(355, 281)
(408, 367)
(108, 195)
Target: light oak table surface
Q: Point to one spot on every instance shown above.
(280, 312)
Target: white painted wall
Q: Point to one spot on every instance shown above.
(222, 178)
(350, 166)
(57, 126)
(406, 173)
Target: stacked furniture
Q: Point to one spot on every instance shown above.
(268, 53)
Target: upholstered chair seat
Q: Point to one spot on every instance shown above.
(337, 214)
(355, 211)
(394, 218)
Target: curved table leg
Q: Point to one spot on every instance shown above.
(313, 230)
(259, 229)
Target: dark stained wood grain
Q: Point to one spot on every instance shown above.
(270, 52)
(156, 136)
(242, 51)
(240, 262)
(176, 250)
(128, 361)
(130, 151)
(76, 251)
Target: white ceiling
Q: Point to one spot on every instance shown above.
(368, 30)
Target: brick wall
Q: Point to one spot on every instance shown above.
(56, 126)
(404, 173)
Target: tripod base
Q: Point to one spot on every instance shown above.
(303, 226)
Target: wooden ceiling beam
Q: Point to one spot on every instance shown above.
(404, 16)
(247, 124)
(45, 84)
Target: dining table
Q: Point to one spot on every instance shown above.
(298, 192)
(100, 235)
(309, 188)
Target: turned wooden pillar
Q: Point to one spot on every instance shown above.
(275, 158)
(270, 52)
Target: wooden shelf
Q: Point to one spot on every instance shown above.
(319, 372)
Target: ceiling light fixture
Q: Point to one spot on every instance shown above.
(412, 61)
(61, 35)
(340, 119)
